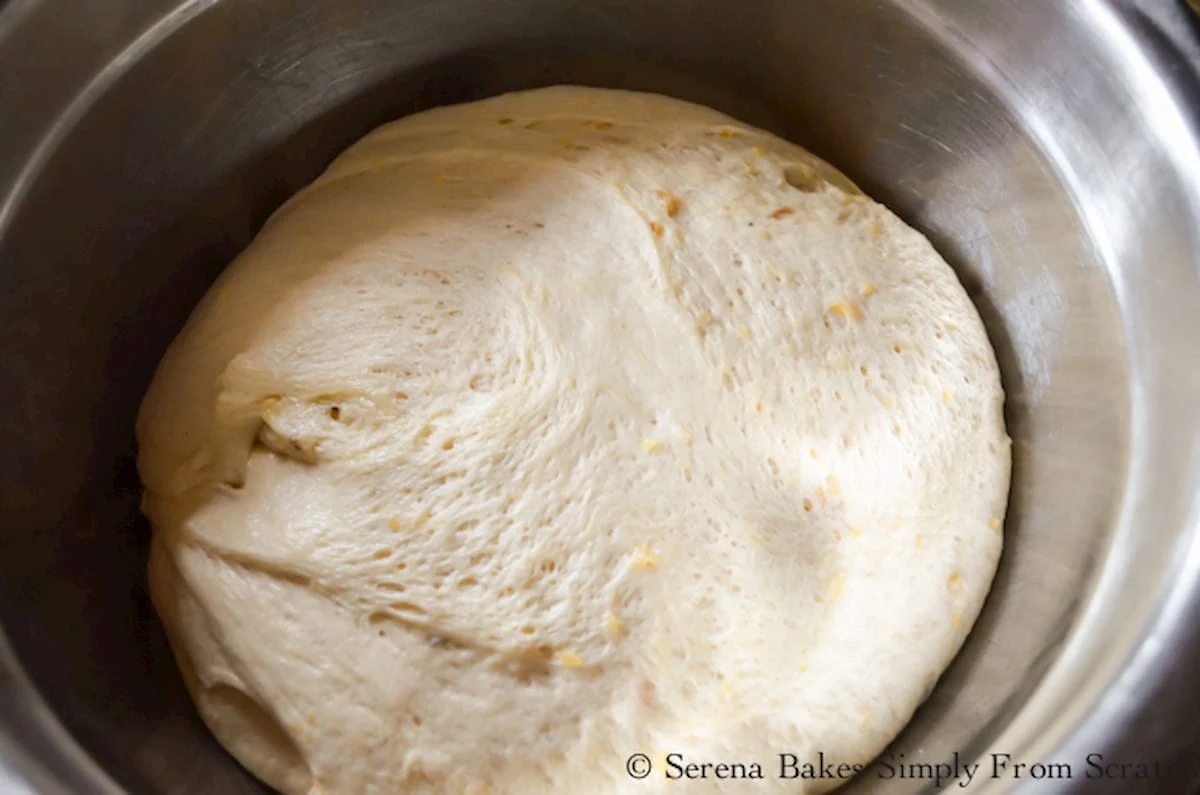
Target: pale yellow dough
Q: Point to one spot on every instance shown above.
(562, 426)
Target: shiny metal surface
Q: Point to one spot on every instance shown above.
(1046, 146)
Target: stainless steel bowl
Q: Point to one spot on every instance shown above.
(1045, 145)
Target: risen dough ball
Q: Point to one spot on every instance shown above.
(561, 426)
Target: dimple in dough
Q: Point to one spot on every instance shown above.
(566, 425)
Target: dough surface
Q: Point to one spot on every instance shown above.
(566, 425)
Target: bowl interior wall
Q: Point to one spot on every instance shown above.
(174, 167)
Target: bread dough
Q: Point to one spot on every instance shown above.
(562, 426)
